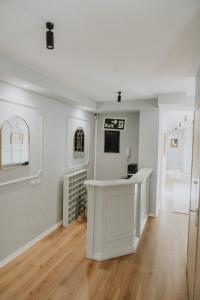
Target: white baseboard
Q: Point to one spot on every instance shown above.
(113, 254)
(29, 245)
(153, 215)
(110, 255)
(143, 223)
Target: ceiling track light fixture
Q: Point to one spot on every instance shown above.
(119, 98)
(50, 36)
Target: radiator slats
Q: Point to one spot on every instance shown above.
(74, 195)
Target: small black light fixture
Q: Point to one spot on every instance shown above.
(49, 36)
(119, 98)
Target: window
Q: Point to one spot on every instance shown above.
(79, 143)
(111, 141)
(14, 143)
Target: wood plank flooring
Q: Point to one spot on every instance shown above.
(56, 268)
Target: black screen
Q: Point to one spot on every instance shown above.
(111, 141)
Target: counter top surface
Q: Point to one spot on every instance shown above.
(138, 178)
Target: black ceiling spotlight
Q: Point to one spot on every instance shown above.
(49, 36)
(119, 98)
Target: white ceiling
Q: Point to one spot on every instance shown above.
(142, 47)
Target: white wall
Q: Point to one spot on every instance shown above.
(114, 165)
(148, 150)
(26, 210)
(180, 157)
(198, 88)
(162, 155)
(187, 154)
(175, 155)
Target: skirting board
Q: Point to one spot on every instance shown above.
(29, 245)
(153, 215)
(121, 252)
(100, 257)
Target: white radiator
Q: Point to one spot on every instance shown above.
(74, 193)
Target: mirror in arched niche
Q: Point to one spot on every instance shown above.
(79, 143)
(15, 143)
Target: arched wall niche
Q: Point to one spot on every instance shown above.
(79, 143)
(14, 143)
(77, 149)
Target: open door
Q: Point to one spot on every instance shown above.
(194, 210)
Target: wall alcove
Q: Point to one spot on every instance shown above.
(14, 143)
(79, 143)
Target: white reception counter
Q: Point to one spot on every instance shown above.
(117, 213)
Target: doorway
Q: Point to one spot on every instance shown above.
(177, 163)
(193, 253)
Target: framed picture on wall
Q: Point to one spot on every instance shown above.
(111, 141)
(174, 143)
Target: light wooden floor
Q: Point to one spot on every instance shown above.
(56, 267)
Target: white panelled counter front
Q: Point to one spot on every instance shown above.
(117, 213)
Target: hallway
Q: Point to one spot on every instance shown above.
(176, 193)
(56, 267)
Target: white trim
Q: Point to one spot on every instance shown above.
(143, 223)
(20, 104)
(110, 255)
(95, 147)
(21, 179)
(8, 259)
(155, 215)
(78, 166)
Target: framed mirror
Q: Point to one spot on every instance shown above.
(14, 143)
